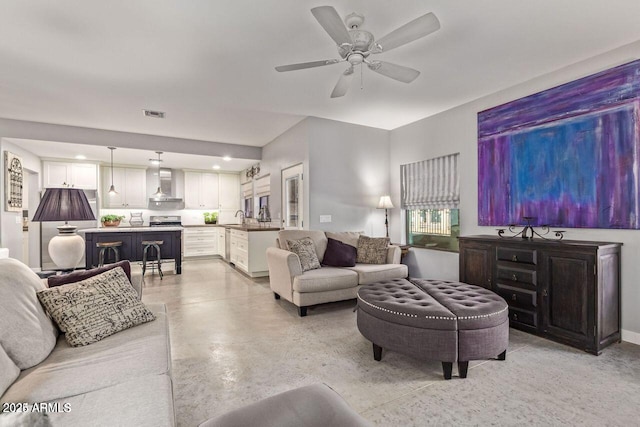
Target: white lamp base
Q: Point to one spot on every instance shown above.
(66, 249)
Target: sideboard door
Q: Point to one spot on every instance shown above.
(476, 263)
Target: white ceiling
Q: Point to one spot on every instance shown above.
(210, 64)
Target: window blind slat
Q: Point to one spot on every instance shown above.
(431, 184)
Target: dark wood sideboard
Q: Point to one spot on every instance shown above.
(567, 291)
(131, 248)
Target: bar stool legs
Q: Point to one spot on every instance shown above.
(156, 245)
(105, 247)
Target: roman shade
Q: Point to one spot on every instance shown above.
(431, 184)
(247, 190)
(263, 186)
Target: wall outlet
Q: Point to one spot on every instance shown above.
(325, 218)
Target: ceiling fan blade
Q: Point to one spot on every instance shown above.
(303, 65)
(343, 83)
(419, 27)
(332, 24)
(396, 72)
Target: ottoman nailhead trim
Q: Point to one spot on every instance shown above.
(483, 315)
(405, 314)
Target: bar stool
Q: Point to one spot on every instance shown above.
(156, 245)
(105, 247)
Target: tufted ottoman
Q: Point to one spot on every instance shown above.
(434, 320)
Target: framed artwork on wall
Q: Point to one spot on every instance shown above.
(13, 181)
(566, 157)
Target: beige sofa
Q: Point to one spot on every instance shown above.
(326, 284)
(122, 380)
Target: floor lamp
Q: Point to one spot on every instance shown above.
(65, 204)
(385, 203)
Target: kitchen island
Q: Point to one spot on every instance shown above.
(131, 238)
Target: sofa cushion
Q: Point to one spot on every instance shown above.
(306, 251)
(95, 308)
(8, 371)
(372, 250)
(318, 237)
(70, 371)
(27, 334)
(348, 237)
(339, 254)
(79, 275)
(325, 279)
(371, 273)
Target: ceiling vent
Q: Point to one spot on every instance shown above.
(154, 114)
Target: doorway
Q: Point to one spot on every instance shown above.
(292, 197)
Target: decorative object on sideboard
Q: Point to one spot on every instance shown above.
(253, 171)
(111, 220)
(65, 204)
(112, 189)
(13, 179)
(136, 219)
(528, 232)
(210, 217)
(385, 203)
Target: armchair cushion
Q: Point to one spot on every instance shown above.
(339, 254)
(306, 251)
(372, 250)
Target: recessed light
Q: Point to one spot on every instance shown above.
(81, 157)
(226, 158)
(216, 166)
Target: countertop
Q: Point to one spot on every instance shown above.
(143, 229)
(249, 227)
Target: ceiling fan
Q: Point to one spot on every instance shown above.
(355, 45)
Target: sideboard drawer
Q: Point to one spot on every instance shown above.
(517, 275)
(525, 256)
(517, 296)
(525, 317)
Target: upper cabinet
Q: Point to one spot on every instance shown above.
(131, 187)
(229, 191)
(76, 175)
(201, 190)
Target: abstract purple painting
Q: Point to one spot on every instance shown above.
(568, 156)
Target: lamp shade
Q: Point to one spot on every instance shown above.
(64, 204)
(385, 203)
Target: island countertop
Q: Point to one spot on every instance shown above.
(146, 229)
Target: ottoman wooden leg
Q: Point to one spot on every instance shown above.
(463, 367)
(377, 352)
(503, 355)
(447, 367)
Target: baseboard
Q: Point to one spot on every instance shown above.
(632, 337)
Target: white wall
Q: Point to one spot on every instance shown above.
(456, 131)
(11, 222)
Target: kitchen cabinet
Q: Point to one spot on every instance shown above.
(131, 185)
(248, 250)
(221, 237)
(200, 241)
(229, 197)
(201, 190)
(568, 291)
(76, 175)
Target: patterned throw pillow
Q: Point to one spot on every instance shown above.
(306, 251)
(372, 250)
(95, 308)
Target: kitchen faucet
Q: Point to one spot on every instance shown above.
(241, 212)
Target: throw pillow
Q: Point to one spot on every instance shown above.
(372, 250)
(306, 251)
(348, 237)
(95, 308)
(79, 275)
(339, 254)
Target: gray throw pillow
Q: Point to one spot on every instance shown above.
(372, 250)
(306, 251)
(95, 308)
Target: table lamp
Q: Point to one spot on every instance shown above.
(65, 204)
(385, 203)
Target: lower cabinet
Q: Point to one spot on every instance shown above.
(568, 291)
(200, 241)
(248, 251)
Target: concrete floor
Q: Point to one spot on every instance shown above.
(233, 344)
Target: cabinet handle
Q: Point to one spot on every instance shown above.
(514, 277)
(514, 258)
(545, 293)
(515, 316)
(514, 297)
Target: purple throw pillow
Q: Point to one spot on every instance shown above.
(339, 254)
(79, 275)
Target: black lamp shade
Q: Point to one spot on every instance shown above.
(64, 204)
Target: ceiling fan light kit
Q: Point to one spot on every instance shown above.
(355, 45)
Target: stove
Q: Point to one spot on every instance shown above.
(165, 221)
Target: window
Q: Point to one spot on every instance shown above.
(430, 198)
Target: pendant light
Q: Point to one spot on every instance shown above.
(158, 192)
(112, 189)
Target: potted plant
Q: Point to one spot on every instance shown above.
(210, 217)
(111, 220)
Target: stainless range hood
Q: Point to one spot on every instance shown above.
(166, 201)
